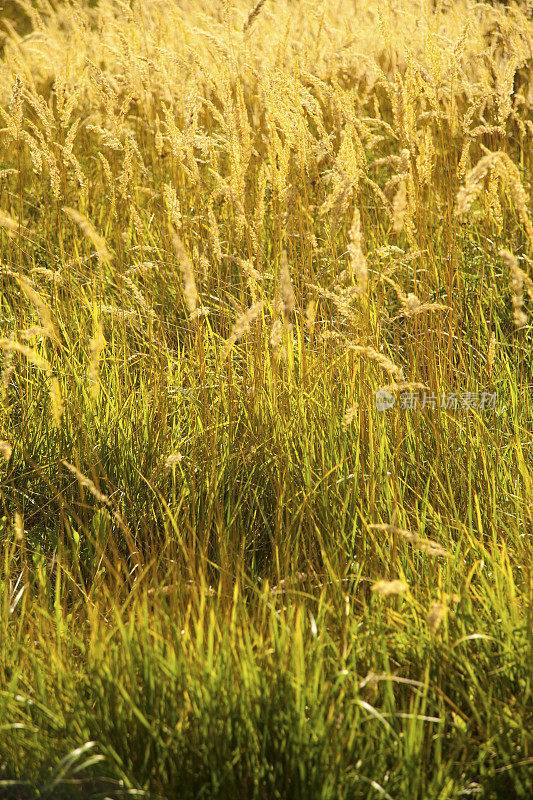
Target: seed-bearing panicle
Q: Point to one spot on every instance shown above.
(252, 16)
(253, 276)
(88, 230)
(159, 142)
(428, 546)
(139, 297)
(358, 263)
(517, 288)
(310, 316)
(349, 416)
(436, 614)
(497, 166)
(5, 450)
(18, 524)
(399, 207)
(242, 325)
(96, 346)
(54, 276)
(56, 401)
(7, 369)
(173, 460)
(172, 205)
(48, 325)
(286, 289)
(8, 224)
(276, 335)
(414, 306)
(404, 386)
(473, 184)
(87, 483)
(410, 303)
(384, 362)
(342, 299)
(187, 272)
(528, 283)
(388, 588)
(32, 355)
(14, 119)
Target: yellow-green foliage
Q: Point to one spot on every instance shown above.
(225, 571)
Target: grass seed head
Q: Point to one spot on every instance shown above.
(242, 325)
(96, 345)
(187, 273)
(252, 16)
(5, 450)
(56, 401)
(436, 614)
(517, 288)
(358, 263)
(89, 231)
(87, 483)
(286, 289)
(388, 588)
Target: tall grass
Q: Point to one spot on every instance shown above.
(226, 571)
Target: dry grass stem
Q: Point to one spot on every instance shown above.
(56, 401)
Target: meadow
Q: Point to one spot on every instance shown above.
(266, 400)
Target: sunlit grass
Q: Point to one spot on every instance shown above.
(226, 573)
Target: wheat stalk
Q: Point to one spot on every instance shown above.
(252, 16)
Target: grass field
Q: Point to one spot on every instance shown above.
(266, 400)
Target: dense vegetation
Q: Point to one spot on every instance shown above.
(229, 569)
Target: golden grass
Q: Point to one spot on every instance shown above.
(224, 226)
